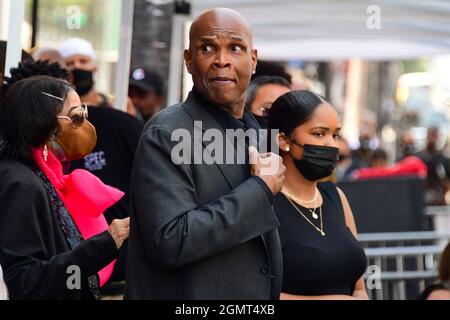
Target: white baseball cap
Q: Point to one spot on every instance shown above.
(77, 46)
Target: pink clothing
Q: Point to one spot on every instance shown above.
(410, 166)
(84, 195)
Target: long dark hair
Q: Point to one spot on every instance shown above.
(28, 116)
(293, 109)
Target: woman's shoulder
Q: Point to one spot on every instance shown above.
(331, 189)
(12, 172)
(326, 185)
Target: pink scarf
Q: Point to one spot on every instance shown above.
(84, 195)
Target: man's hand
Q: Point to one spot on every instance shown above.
(119, 230)
(269, 167)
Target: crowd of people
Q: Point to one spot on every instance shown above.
(88, 189)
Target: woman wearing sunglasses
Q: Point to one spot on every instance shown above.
(322, 259)
(54, 240)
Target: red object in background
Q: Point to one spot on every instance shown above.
(410, 166)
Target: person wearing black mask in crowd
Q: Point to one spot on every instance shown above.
(438, 168)
(80, 59)
(263, 91)
(347, 162)
(368, 140)
(407, 146)
(322, 258)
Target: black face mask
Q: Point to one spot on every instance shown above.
(83, 81)
(262, 120)
(317, 162)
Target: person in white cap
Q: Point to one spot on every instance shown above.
(48, 54)
(81, 61)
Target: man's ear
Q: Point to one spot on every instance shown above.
(188, 59)
(254, 59)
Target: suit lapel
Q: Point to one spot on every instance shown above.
(232, 174)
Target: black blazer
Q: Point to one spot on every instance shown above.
(34, 252)
(198, 231)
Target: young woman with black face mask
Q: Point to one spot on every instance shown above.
(322, 259)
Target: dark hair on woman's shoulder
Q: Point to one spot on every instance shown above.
(33, 68)
(293, 109)
(28, 115)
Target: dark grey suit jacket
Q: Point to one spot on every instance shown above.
(198, 231)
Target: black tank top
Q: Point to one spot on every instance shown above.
(314, 264)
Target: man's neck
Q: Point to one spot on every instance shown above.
(236, 110)
(91, 98)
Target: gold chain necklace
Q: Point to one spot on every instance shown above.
(320, 230)
(297, 200)
(290, 195)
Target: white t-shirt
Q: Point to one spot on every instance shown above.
(3, 289)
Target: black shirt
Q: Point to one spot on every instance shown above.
(314, 264)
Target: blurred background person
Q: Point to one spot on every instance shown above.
(438, 168)
(368, 139)
(80, 59)
(407, 145)
(146, 92)
(262, 92)
(271, 68)
(322, 258)
(379, 159)
(49, 54)
(347, 162)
